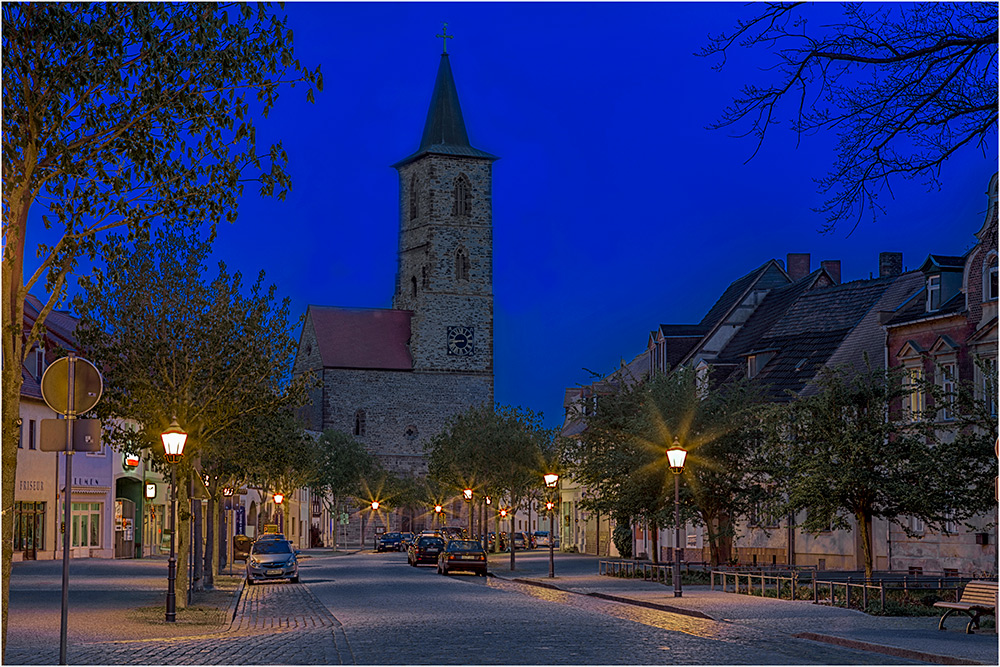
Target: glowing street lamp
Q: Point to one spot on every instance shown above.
(676, 456)
(375, 505)
(279, 498)
(173, 439)
(550, 481)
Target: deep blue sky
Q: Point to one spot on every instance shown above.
(615, 210)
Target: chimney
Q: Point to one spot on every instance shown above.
(890, 264)
(832, 267)
(798, 265)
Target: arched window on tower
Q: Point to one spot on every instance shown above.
(360, 423)
(424, 280)
(413, 285)
(463, 197)
(462, 264)
(413, 198)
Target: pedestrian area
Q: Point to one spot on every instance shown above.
(271, 624)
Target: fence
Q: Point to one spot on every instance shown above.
(835, 591)
(646, 570)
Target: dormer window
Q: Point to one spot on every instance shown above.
(39, 362)
(933, 292)
(755, 362)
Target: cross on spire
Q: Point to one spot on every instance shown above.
(445, 36)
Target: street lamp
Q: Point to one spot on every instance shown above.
(437, 513)
(278, 499)
(675, 457)
(550, 481)
(467, 497)
(174, 439)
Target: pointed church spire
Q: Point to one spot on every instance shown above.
(444, 129)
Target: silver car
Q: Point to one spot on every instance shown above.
(272, 559)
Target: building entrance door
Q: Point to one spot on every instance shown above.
(124, 528)
(29, 522)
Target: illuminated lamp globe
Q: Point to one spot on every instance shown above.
(676, 456)
(173, 441)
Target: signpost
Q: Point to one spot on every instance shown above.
(70, 386)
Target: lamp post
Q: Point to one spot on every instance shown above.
(278, 499)
(675, 457)
(467, 497)
(437, 513)
(550, 482)
(227, 508)
(173, 446)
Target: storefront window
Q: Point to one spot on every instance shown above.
(29, 522)
(86, 525)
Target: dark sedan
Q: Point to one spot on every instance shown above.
(462, 556)
(388, 542)
(425, 550)
(272, 559)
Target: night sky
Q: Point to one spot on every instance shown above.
(615, 209)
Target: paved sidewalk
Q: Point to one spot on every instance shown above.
(914, 638)
(273, 623)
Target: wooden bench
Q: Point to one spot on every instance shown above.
(979, 598)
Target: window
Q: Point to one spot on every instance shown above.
(916, 525)
(29, 522)
(39, 362)
(915, 403)
(915, 571)
(933, 292)
(413, 285)
(463, 197)
(424, 280)
(360, 423)
(986, 385)
(413, 198)
(32, 444)
(950, 526)
(86, 529)
(462, 264)
(20, 434)
(947, 373)
(990, 278)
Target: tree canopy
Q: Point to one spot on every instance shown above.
(904, 86)
(116, 115)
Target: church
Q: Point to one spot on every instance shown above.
(392, 377)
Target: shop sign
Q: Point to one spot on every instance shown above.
(131, 461)
(150, 490)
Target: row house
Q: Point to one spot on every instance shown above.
(119, 504)
(780, 325)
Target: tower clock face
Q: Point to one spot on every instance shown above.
(461, 341)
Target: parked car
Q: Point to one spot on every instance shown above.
(270, 536)
(541, 538)
(405, 540)
(388, 542)
(520, 541)
(425, 549)
(454, 532)
(462, 555)
(492, 538)
(272, 559)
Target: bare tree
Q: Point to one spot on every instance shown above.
(904, 86)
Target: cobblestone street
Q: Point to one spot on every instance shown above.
(374, 609)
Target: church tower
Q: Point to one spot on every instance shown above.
(445, 270)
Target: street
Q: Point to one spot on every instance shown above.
(376, 609)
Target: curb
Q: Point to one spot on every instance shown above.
(234, 606)
(615, 598)
(886, 650)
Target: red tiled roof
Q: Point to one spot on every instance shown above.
(363, 337)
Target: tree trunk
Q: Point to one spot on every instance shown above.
(335, 512)
(510, 540)
(724, 539)
(11, 427)
(713, 545)
(210, 526)
(864, 535)
(654, 535)
(198, 552)
(225, 530)
(181, 539)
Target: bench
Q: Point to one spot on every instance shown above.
(979, 598)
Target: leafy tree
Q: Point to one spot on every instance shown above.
(116, 114)
(905, 86)
(170, 344)
(851, 453)
(501, 449)
(620, 456)
(344, 465)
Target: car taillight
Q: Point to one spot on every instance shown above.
(452, 557)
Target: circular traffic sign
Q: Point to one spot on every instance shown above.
(87, 385)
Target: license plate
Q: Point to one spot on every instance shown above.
(468, 558)
(274, 572)
(432, 551)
